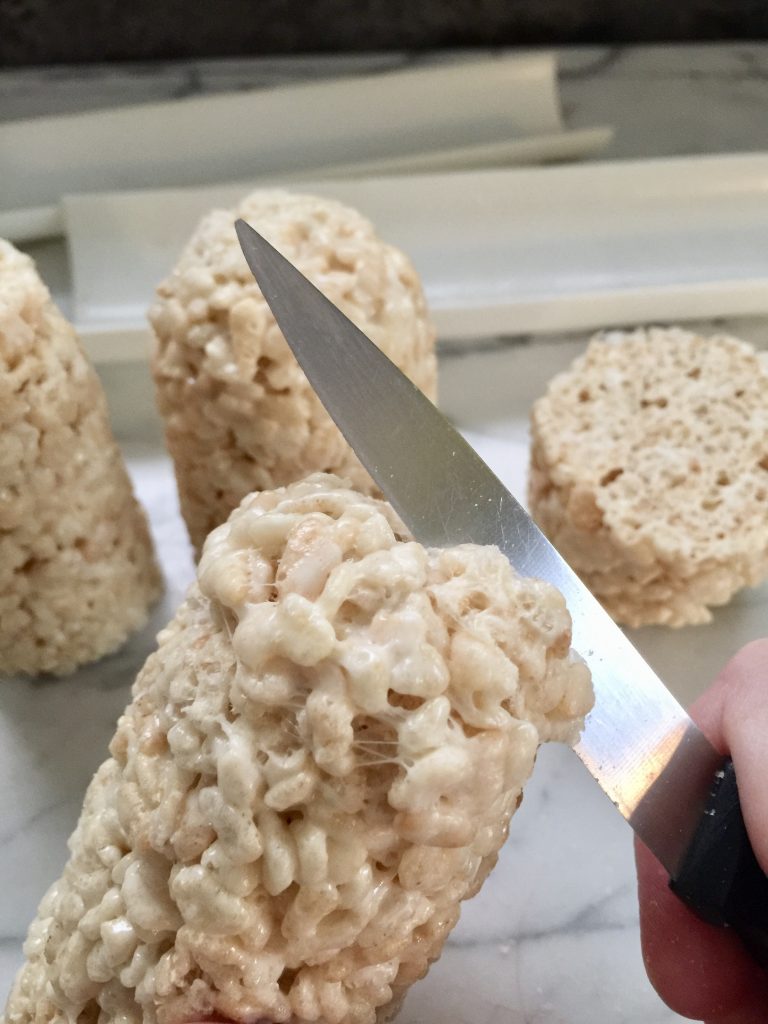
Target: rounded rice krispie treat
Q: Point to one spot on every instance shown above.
(649, 472)
(77, 570)
(239, 413)
(319, 763)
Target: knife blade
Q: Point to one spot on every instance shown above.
(643, 749)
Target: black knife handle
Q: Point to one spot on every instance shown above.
(720, 879)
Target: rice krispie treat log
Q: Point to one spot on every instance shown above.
(649, 472)
(239, 413)
(319, 763)
(77, 571)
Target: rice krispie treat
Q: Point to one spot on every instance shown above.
(77, 570)
(649, 472)
(319, 763)
(239, 413)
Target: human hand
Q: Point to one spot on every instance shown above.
(700, 971)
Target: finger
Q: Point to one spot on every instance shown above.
(700, 971)
(733, 713)
(745, 733)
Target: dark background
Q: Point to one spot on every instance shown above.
(64, 31)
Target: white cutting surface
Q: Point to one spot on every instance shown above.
(553, 937)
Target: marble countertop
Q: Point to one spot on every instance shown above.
(553, 938)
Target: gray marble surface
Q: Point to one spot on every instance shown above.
(553, 938)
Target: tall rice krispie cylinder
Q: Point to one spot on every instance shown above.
(649, 472)
(77, 570)
(319, 763)
(239, 413)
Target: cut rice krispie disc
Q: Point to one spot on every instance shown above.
(319, 763)
(649, 472)
(77, 570)
(239, 413)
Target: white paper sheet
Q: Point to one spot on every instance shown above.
(202, 140)
(500, 252)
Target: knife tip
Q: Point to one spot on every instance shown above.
(242, 228)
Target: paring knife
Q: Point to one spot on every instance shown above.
(671, 785)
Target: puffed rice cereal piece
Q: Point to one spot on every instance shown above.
(239, 413)
(649, 472)
(77, 570)
(319, 763)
